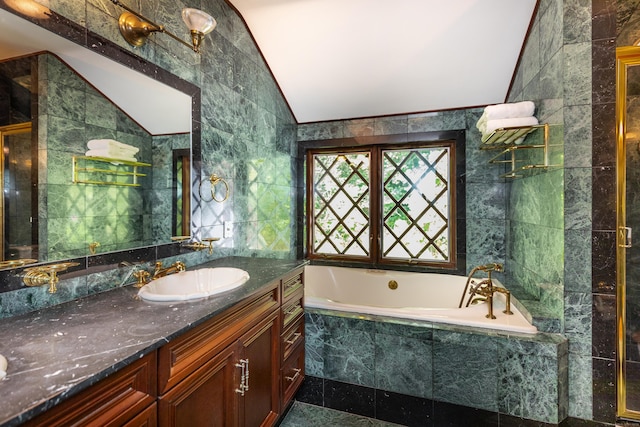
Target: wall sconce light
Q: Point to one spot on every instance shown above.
(135, 28)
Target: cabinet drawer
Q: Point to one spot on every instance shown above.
(292, 338)
(291, 284)
(114, 401)
(182, 356)
(292, 310)
(292, 375)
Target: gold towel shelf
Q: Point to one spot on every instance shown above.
(504, 139)
(125, 172)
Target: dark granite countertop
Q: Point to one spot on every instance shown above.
(57, 352)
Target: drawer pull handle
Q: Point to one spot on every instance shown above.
(244, 376)
(295, 376)
(293, 309)
(294, 338)
(293, 284)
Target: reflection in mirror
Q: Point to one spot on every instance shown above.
(77, 219)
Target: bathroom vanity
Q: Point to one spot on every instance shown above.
(236, 358)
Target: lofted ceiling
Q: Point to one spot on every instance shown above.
(345, 59)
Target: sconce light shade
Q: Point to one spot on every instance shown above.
(197, 20)
(200, 23)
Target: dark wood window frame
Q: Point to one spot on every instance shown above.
(458, 200)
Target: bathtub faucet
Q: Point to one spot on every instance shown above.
(485, 288)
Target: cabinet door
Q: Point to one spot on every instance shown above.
(260, 351)
(207, 397)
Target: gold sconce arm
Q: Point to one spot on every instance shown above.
(46, 275)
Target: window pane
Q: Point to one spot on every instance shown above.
(341, 204)
(416, 204)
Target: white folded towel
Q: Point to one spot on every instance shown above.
(111, 144)
(492, 125)
(509, 123)
(510, 110)
(110, 154)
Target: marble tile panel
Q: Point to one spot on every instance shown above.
(577, 136)
(552, 76)
(219, 61)
(577, 21)
(603, 261)
(61, 131)
(577, 73)
(533, 400)
(359, 127)
(485, 242)
(485, 201)
(603, 60)
(577, 318)
(403, 365)
(604, 315)
(403, 409)
(580, 386)
(577, 254)
(577, 198)
(455, 357)
(311, 391)
(604, 198)
(351, 398)
(425, 122)
(604, 19)
(100, 112)
(390, 125)
(604, 390)
(550, 30)
(320, 131)
(352, 354)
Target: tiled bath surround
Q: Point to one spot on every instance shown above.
(523, 376)
(540, 226)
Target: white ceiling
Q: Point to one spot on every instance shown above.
(344, 59)
(158, 108)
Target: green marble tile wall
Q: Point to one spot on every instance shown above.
(519, 375)
(248, 137)
(248, 132)
(539, 226)
(70, 113)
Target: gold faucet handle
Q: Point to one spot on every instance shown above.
(141, 278)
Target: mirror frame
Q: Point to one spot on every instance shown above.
(58, 24)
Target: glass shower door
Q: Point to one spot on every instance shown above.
(628, 143)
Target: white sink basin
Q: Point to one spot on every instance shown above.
(193, 284)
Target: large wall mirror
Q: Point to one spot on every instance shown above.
(55, 97)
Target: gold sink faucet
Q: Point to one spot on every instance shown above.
(173, 268)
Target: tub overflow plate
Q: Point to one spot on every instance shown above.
(393, 284)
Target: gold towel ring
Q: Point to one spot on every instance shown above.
(214, 180)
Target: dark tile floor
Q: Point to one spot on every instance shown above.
(306, 415)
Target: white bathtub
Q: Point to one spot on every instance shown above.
(422, 296)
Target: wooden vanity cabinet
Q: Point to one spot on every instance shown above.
(126, 398)
(292, 337)
(224, 372)
(238, 369)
